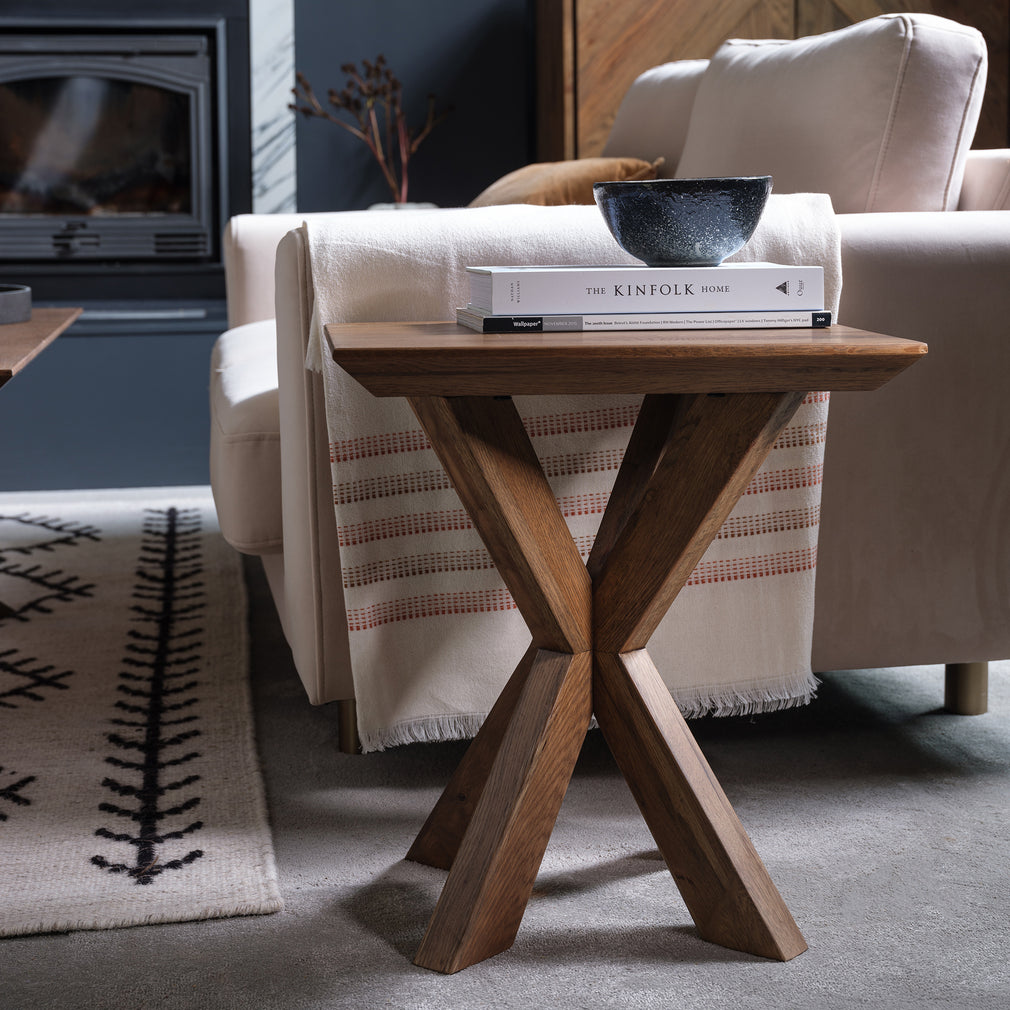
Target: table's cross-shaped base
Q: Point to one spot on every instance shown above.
(689, 459)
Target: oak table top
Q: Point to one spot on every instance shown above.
(715, 401)
(445, 359)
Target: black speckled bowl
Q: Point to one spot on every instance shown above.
(683, 222)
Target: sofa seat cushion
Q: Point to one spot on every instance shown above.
(245, 454)
(879, 115)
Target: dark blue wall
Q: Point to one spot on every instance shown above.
(108, 412)
(131, 410)
(473, 55)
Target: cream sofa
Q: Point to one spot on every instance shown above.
(914, 552)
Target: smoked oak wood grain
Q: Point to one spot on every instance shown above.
(692, 452)
(711, 453)
(487, 454)
(723, 882)
(656, 420)
(588, 53)
(443, 359)
(485, 894)
(21, 342)
(438, 840)
(555, 68)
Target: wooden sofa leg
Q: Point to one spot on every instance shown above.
(966, 688)
(347, 725)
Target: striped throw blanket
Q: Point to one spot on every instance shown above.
(434, 634)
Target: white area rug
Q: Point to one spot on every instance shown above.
(130, 789)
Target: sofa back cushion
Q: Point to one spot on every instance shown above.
(879, 115)
(652, 119)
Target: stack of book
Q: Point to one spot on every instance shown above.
(542, 299)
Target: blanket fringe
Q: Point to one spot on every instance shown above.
(693, 705)
(792, 693)
(431, 729)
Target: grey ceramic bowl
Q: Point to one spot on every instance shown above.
(683, 222)
(15, 303)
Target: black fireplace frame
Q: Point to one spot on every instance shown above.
(178, 64)
(192, 273)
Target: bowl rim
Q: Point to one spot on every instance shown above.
(692, 179)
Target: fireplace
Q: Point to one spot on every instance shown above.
(106, 147)
(124, 148)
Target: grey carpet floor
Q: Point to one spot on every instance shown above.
(883, 821)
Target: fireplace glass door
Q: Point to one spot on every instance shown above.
(94, 145)
(106, 147)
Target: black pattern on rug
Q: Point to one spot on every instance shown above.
(11, 793)
(22, 677)
(54, 585)
(156, 728)
(127, 744)
(31, 678)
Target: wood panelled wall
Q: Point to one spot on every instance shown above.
(589, 52)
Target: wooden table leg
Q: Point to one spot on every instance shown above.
(485, 895)
(713, 447)
(710, 450)
(723, 882)
(492, 823)
(438, 841)
(694, 456)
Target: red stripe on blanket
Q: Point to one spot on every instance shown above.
(489, 600)
(801, 435)
(449, 520)
(567, 465)
(785, 563)
(769, 522)
(452, 520)
(573, 422)
(434, 605)
(386, 444)
(415, 440)
(786, 480)
(582, 462)
(477, 559)
(424, 481)
(392, 443)
(391, 485)
(415, 565)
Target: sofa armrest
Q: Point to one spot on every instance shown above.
(913, 551)
(311, 588)
(250, 245)
(986, 183)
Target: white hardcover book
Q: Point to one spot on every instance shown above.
(587, 290)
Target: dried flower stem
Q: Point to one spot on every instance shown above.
(373, 97)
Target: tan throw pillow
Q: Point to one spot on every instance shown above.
(553, 183)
